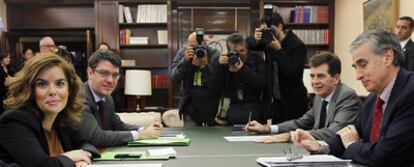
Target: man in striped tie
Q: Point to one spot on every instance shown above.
(384, 133)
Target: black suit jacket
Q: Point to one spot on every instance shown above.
(23, 141)
(409, 55)
(290, 62)
(396, 143)
(113, 121)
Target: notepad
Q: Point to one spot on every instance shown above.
(162, 141)
(244, 138)
(110, 156)
(172, 134)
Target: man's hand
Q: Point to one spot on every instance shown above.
(258, 34)
(304, 139)
(223, 59)
(275, 44)
(284, 137)
(152, 131)
(79, 155)
(348, 135)
(255, 126)
(237, 67)
(188, 54)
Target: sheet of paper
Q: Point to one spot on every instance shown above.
(243, 138)
(127, 165)
(163, 151)
(307, 160)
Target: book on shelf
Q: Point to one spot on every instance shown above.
(304, 14)
(138, 40)
(121, 14)
(152, 13)
(159, 81)
(128, 63)
(314, 36)
(124, 35)
(128, 14)
(162, 37)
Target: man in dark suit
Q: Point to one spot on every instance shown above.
(100, 125)
(334, 106)
(285, 60)
(383, 133)
(403, 30)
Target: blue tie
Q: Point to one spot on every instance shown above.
(101, 110)
(323, 114)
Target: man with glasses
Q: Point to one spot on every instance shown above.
(46, 45)
(100, 125)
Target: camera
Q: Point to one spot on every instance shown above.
(268, 32)
(233, 58)
(199, 50)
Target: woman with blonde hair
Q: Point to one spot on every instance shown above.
(44, 100)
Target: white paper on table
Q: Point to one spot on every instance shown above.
(163, 152)
(307, 160)
(243, 138)
(127, 165)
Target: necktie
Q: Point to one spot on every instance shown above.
(101, 110)
(323, 115)
(376, 121)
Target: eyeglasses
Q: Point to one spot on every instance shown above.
(106, 74)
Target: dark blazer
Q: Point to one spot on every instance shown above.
(290, 62)
(396, 143)
(342, 111)
(409, 55)
(23, 141)
(113, 121)
(200, 102)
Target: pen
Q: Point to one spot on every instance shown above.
(250, 117)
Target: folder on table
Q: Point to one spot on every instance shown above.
(134, 156)
(162, 141)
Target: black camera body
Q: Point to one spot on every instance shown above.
(233, 58)
(199, 50)
(268, 32)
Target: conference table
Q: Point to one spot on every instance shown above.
(208, 148)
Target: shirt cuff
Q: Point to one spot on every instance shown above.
(135, 134)
(274, 129)
(324, 149)
(347, 145)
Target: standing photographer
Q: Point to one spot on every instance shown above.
(242, 78)
(192, 67)
(285, 59)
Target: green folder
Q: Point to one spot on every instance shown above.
(162, 141)
(110, 156)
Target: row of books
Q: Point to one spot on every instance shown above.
(126, 38)
(144, 14)
(304, 14)
(317, 36)
(159, 81)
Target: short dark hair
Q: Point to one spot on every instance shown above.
(108, 55)
(276, 19)
(334, 64)
(409, 19)
(235, 38)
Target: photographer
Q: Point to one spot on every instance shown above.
(192, 66)
(285, 56)
(242, 78)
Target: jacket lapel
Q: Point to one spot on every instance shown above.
(332, 105)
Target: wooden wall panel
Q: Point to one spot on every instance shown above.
(50, 17)
(107, 28)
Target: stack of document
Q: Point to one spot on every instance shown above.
(129, 156)
(162, 141)
(169, 151)
(307, 160)
(172, 134)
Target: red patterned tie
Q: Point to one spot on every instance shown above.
(376, 121)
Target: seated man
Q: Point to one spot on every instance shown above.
(383, 132)
(334, 106)
(100, 125)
